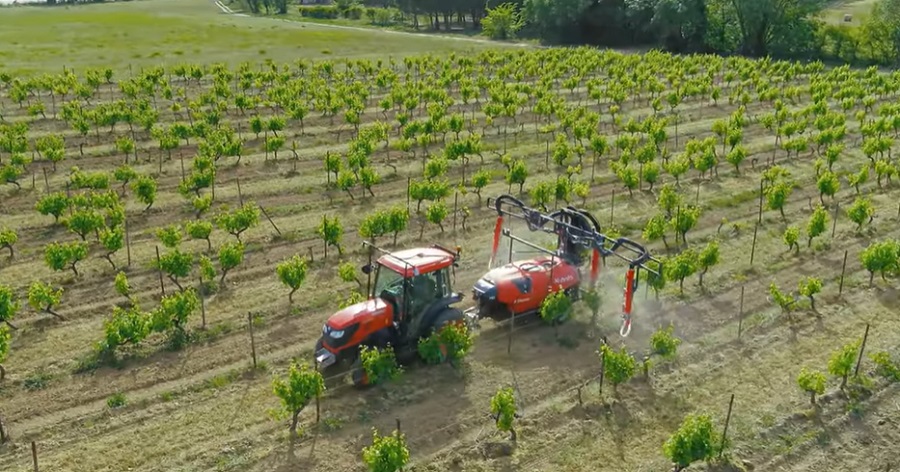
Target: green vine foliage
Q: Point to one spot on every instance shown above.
(503, 409)
(380, 364)
(387, 453)
(451, 343)
(556, 308)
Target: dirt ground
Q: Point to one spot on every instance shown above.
(204, 408)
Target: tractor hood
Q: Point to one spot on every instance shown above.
(354, 314)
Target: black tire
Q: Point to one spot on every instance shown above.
(358, 374)
(448, 316)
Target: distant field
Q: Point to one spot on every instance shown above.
(859, 9)
(163, 32)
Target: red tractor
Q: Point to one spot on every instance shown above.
(409, 300)
(519, 287)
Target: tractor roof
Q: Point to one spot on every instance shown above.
(410, 262)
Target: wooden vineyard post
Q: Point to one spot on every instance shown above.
(3, 436)
(212, 188)
(602, 372)
(266, 214)
(240, 194)
(753, 249)
(862, 349)
(741, 314)
(34, 456)
(697, 198)
(677, 224)
(399, 433)
(46, 180)
(837, 208)
(843, 270)
(725, 431)
(455, 208)
(311, 258)
(128, 241)
(408, 183)
(252, 339)
(759, 215)
(202, 302)
(162, 286)
(181, 157)
(612, 209)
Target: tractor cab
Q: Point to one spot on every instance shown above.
(410, 296)
(410, 282)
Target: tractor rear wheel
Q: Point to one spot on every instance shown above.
(446, 318)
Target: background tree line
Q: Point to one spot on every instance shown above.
(777, 28)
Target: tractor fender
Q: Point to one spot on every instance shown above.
(434, 310)
(448, 315)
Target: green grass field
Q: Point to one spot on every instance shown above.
(161, 32)
(859, 9)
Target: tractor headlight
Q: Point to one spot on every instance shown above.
(337, 334)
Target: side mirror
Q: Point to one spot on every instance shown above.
(366, 269)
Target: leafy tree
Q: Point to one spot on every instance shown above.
(618, 366)
(200, 230)
(656, 229)
(122, 286)
(295, 391)
(387, 453)
(663, 342)
(810, 287)
(9, 305)
(126, 326)
(292, 272)
(84, 221)
(791, 236)
(239, 220)
(736, 156)
(331, 231)
(436, 213)
(708, 257)
(542, 193)
(669, 200)
(176, 265)
(685, 219)
(51, 147)
(449, 343)
(112, 239)
(556, 307)
(816, 225)
(60, 256)
(379, 365)
(170, 235)
(504, 411)
(882, 359)
(777, 195)
(347, 273)
(43, 297)
(694, 441)
(828, 184)
(8, 238)
(861, 212)
(517, 174)
(398, 220)
(841, 362)
(785, 301)
(480, 180)
(173, 312)
(230, 256)
(681, 267)
(502, 22)
(144, 189)
(811, 382)
(881, 257)
(374, 225)
(53, 204)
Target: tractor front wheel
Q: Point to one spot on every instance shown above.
(359, 375)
